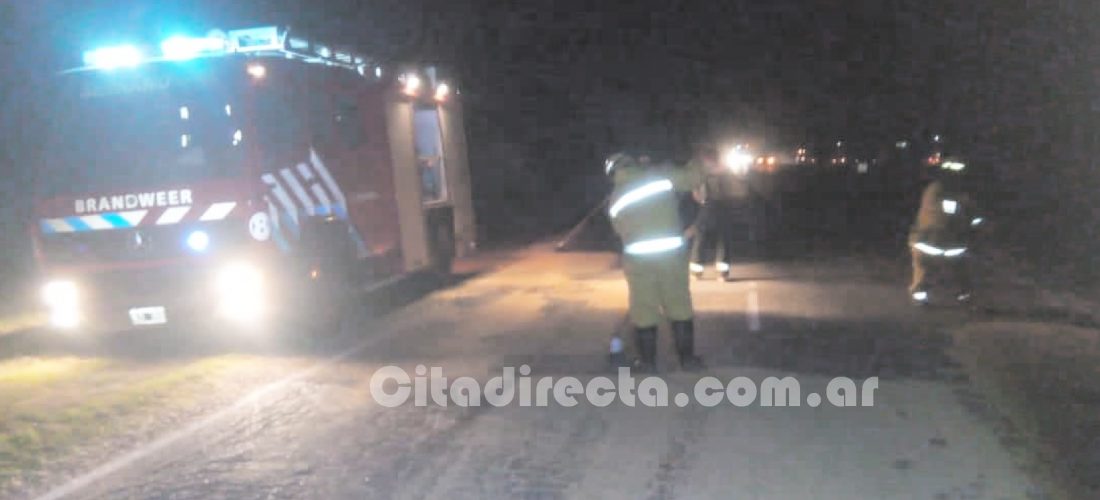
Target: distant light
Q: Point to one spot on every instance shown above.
(181, 48)
(185, 140)
(839, 143)
(238, 136)
(737, 160)
(442, 91)
(976, 221)
(228, 110)
(378, 72)
(198, 241)
(863, 167)
(411, 85)
(324, 52)
(950, 207)
(122, 56)
(936, 138)
(257, 70)
(771, 160)
(902, 144)
(184, 113)
(954, 166)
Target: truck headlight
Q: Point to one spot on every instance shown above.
(240, 289)
(67, 317)
(59, 293)
(62, 297)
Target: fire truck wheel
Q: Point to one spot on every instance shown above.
(331, 277)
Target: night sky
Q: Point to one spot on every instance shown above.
(553, 86)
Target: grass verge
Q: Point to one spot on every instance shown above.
(51, 407)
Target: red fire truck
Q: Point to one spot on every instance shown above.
(231, 176)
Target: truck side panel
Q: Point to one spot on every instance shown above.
(348, 136)
(373, 205)
(407, 185)
(458, 176)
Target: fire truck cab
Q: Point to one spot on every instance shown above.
(233, 175)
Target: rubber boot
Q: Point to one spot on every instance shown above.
(684, 335)
(696, 270)
(647, 349)
(723, 270)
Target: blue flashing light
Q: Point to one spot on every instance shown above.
(198, 241)
(121, 56)
(181, 48)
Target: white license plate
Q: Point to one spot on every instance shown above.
(142, 316)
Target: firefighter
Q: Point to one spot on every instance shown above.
(728, 201)
(939, 238)
(645, 213)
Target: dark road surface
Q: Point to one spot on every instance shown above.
(994, 402)
(310, 429)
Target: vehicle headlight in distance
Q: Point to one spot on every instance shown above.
(737, 160)
(240, 287)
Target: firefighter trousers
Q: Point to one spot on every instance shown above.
(728, 225)
(659, 286)
(955, 269)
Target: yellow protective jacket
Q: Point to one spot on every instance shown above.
(644, 207)
(944, 216)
